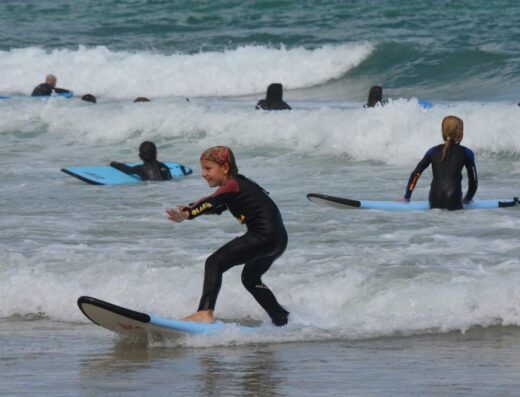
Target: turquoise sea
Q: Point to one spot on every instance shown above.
(382, 303)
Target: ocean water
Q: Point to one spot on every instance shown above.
(378, 299)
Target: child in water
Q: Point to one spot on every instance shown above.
(447, 161)
(151, 169)
(264, 241)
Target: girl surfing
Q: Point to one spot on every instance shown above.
(264, 241)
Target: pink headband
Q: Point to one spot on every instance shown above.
(217, 154)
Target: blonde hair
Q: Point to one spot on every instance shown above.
(452, 132)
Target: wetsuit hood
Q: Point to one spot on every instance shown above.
(274, 93)
(375, 95)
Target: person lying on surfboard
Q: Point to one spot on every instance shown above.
(447, 161)
(151, 169)
(264, 241)
(49, 87)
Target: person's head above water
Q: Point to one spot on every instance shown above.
(147, 151)
(223, 156)
(274, 92)
(51, 80)
(375, 95)
(452, 132)
(89, 98)
(452, 129)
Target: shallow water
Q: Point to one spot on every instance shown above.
(66, 360)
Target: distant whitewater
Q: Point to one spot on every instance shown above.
(127, 74)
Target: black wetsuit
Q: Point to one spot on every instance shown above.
(149, 171)
(446, 189)
(264, 241)
(273, 105)
(45, 89)
(273, 99)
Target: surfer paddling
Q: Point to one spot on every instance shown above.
(49, 87)
(264, 241)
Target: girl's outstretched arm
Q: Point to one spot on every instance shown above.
(178, 214)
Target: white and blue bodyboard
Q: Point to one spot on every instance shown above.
(345, 203)
(61, 95)
(132, 323)
(107, 175)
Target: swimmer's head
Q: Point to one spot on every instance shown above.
(148, 151)
(89, 98)
(274, 92)
(375, 95)
(51, 80)
(452, 129)
(221, 155)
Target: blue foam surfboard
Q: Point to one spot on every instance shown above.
(61, 95)
(345, 203)
(107, 175)
(425, 104)
(129, 322)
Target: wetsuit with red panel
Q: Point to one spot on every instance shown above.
(264, 241)
(446, 187)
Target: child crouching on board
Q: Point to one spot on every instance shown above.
(264, 241)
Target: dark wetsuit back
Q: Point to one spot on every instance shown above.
(45, 89)
(264, 241)
(149, 171)
(446, 189)
(275, 105)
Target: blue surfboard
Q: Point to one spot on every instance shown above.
(425, 104)
(107, 175)
(345, 203)
(61, 95)
(132, 323)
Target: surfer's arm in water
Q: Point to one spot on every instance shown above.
(416, 174)
(472, 176)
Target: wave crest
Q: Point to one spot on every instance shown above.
(123, 74)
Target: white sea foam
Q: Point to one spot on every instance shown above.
(330, 299)
(122, 74)
(399, 133)
(346, 274)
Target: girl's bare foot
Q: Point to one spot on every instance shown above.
(202, 316)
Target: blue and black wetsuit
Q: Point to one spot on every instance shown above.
(446, 187)
(149, 171)
(264, 241)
